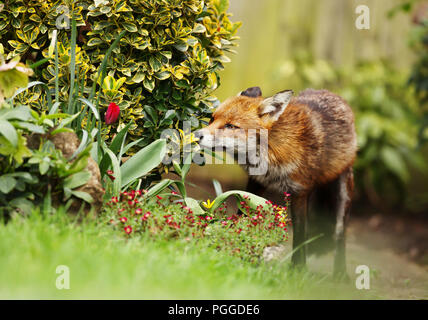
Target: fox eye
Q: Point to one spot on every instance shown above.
(230, 126)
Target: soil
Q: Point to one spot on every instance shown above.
(396, 272)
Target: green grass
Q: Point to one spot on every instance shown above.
(105, 265)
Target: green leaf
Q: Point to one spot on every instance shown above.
(91, 106)
(25, 176)
(181, 46)
(94, 42)
(159, 187)
(76, 180)
(116, 169)
(7, 183)
(9, 132)
(194, 205)
(118, 140)
(138, 77)
(143, 161)
(18, 153)
(162, 75)
(221, 5)
(83, 195)
(43, 167)
(186, 166)
(23, 204)
(130, 27)
(199, 28)
(149, 84)
(65, 122)
(27, 86)
(30, 127)
(152, 112)
(155, 64)
(253, 200)
(19, 113)
(217, 187)
(131, 144)
(82, 146)
(394, 162)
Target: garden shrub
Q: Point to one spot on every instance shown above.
(34, 170)
(386, 118)
(163, 71)
(418, 41)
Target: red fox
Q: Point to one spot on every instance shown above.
(311, 149)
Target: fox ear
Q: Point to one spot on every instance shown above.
(275, 106)
(253, 92)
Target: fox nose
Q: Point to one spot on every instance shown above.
(199, 134)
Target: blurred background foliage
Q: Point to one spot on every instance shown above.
(286, 44)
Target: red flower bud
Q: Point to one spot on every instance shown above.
(112, 113)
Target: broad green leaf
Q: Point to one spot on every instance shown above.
(119, 139)
(82, 145)
(83, 195)
(149, 84)
(130, 27)
(23, 204)
(30, 127)
(217, 187)
(143, 161)
(7, 183)
(194, 205)
(10, 80)
(253, 200)
(117, 183)
(199, 28)
(152, 112)
(155, 64)
(43, 167)
(9, 132)
(159, 187)
(19, 113)
(76, 180)
(94, 42)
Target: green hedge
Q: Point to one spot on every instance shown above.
(163, 71)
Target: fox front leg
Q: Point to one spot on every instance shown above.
(299, 208)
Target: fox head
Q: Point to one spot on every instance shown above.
(232, 121)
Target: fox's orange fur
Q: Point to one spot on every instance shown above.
(311, 144)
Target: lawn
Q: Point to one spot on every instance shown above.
(105, 265)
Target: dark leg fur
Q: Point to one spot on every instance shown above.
(346, 187)
(329, 210)
(299, 207)
(254, 187)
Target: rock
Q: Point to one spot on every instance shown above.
(94, 186)
(273, 253)
(68, 142)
